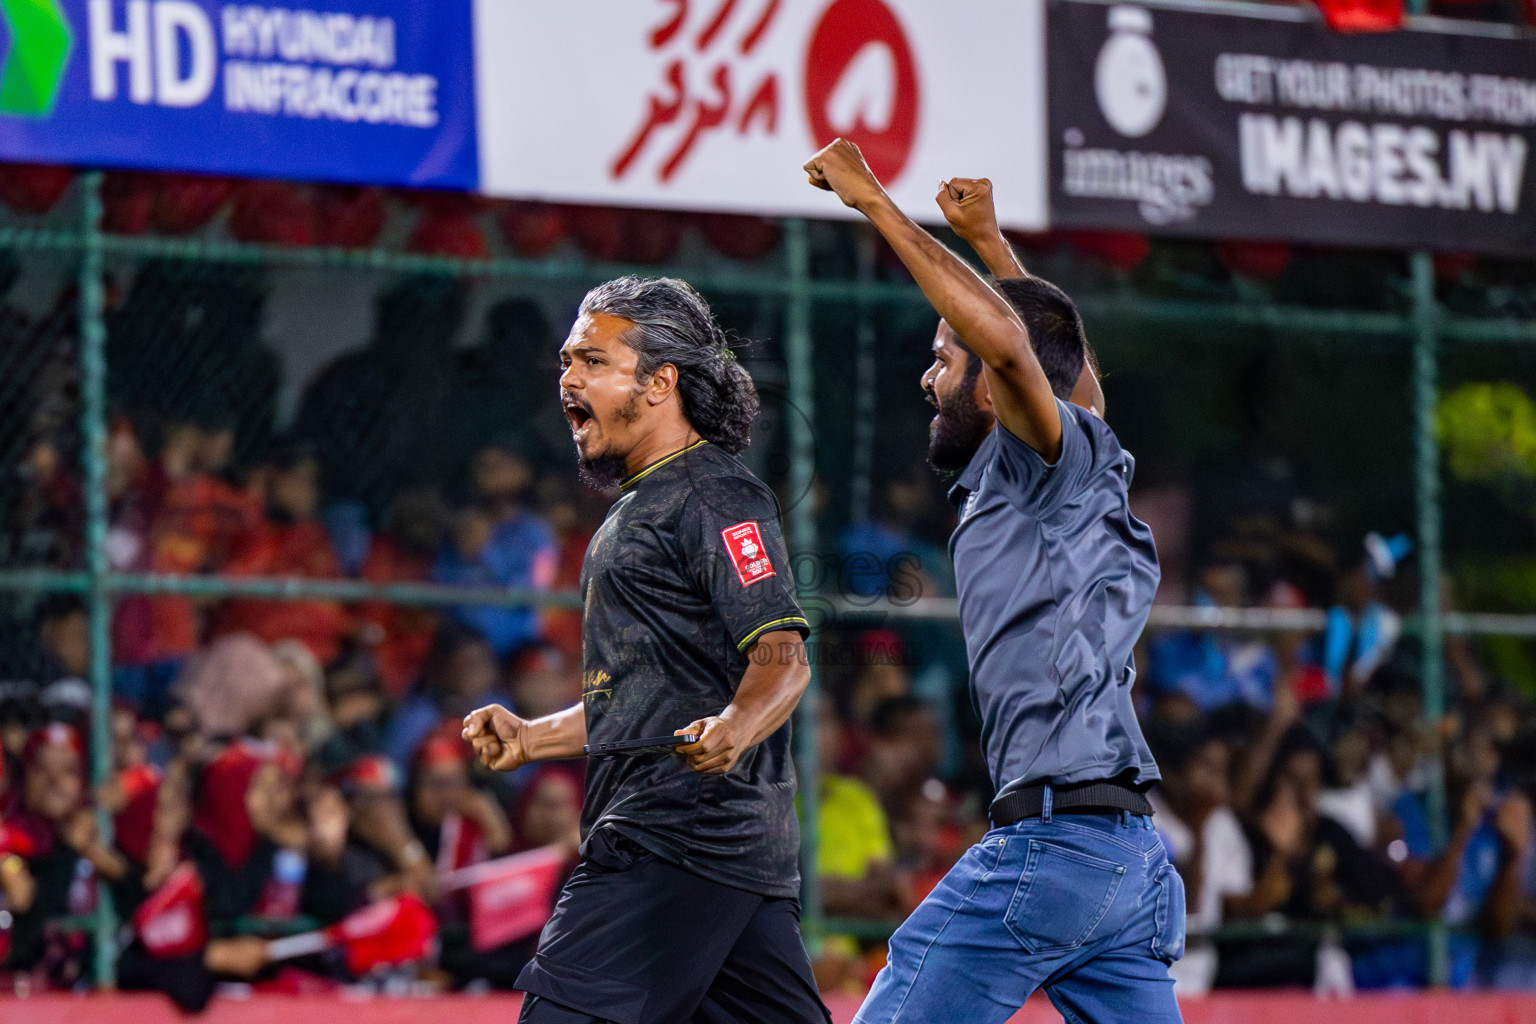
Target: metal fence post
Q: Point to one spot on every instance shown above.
(1426, 453)
(798, 352)
(866, 383)
(93, 431)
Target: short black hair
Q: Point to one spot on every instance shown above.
(1055, 330)
(450, 638)
(288, 452)
(60, 606)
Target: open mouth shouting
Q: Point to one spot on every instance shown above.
(579, 415)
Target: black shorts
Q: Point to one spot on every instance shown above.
(636, 940)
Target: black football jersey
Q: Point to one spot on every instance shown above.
(688, 570)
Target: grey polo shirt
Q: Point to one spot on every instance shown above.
(1056, 578)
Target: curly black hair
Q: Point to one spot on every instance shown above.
(673, 324)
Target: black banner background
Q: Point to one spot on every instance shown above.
(1384, 140)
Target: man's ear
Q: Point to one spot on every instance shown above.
(1087, 392)
(983, 395)
(662, 385)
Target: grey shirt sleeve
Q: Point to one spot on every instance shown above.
(1038, 487)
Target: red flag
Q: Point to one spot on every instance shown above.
(1362, 15)
(389, 932)
(171, 922)
(510, 898)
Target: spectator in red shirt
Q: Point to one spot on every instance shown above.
(573, 523)
(403, 552)
(64, 854)
(290, 541)
(457, 823)
(201, 516)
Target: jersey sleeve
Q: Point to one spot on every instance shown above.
(733, 548)
(1038, 486)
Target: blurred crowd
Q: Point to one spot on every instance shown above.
(1321, 819)
(278, 765)
(285, 765)
(1305, 781)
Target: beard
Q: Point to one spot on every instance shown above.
(605, 470)
(957, 431)
(601, 472)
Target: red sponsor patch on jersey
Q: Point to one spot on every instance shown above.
(745, 545)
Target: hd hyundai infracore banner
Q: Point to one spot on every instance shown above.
(1258, 122)
(332, 90)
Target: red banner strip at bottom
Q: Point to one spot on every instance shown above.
(1222, 1008)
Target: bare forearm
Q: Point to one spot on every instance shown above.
(997, 255)
(109, 864)
(1502, 907)
(1438, 876)
(562, 734)
(771, 687)
(495, 829)
(1256, 765)
(982, 317)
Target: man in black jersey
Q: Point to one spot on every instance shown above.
(683, 907)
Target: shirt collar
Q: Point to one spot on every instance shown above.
(629, 482)
(970, 477)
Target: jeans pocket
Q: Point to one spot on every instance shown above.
(1168, 928)
(1061, 897)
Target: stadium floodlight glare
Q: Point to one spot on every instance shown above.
(34, 68)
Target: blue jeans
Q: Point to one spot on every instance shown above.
(1086, 906)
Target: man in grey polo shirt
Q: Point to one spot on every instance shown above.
(1072, 890)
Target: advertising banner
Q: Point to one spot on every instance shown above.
(368, 91)
(716, 104)
(1255, 121)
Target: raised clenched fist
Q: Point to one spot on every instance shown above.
(967, 205)
(840, 169)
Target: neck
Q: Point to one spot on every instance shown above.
(659, 444)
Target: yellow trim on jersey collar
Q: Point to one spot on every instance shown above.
(626, 484)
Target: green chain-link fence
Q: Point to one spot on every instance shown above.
(395, 367)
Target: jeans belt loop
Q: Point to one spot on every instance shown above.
(1045, 805)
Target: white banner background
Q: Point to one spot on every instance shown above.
(940, 88)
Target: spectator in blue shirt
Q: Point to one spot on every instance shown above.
(886, 556)
(500, 542)
(1362, 632)
(461, 674)
(1213, 670)
(1463, 881)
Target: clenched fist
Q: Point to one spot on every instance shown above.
(967, 205)
(840, 169)
(499, 738)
